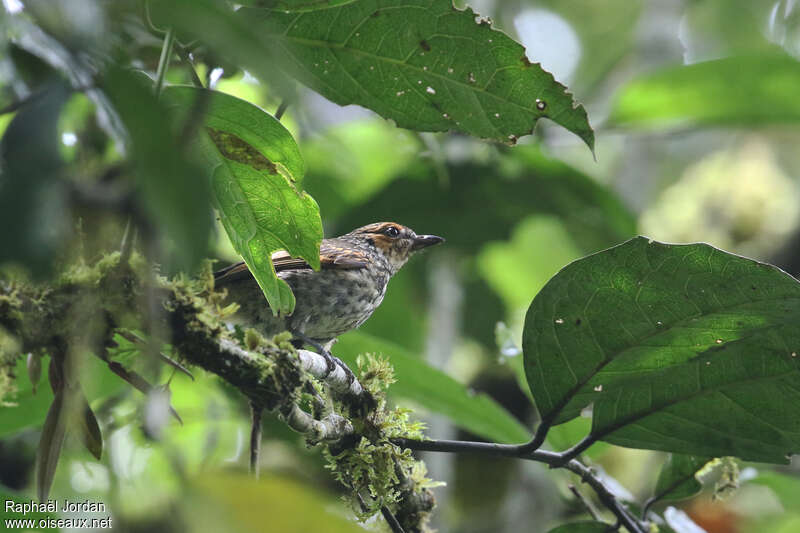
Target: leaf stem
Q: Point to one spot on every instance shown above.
(163, 61)
(187, 60)
(281, 108)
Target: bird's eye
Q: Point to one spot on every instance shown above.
(392, 231)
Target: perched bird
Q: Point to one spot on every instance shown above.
(344, 293)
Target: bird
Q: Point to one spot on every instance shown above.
(339, 297)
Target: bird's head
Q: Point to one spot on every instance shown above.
(396, 242)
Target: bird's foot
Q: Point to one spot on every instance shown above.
(331, 360)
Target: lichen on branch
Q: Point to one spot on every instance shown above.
(350, 420)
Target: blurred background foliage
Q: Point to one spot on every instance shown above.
(695, 109)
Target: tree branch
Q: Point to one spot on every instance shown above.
(552, 459)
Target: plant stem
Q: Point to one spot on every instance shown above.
(163, 61)
(281, 108)
(552, 459)
(184, 55)
(255, 437)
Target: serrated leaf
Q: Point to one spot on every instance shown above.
(678, 478)
(681, 348)
(737, 91)
(256, 171)
(431, 388)
(423, 64)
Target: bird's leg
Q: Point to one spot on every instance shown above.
(331, 359)
(255, 438)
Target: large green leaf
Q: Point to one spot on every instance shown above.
(740, 91)
(433, 389)
(172, 189)
(423, 64)
(678, 477)
(33, 200)
(257, 168)
(682, 348)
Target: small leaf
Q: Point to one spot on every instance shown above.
(425, 65)
(34, 366)
(678, 478)
(434, 390)
(585, 526)
(90, 432)
(681, 348)
(738, 91)
(50, 444)
(257, 169)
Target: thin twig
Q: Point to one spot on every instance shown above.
(163, 61)
(126, 248)
(394, 525)
(281, 108)
(585, 502)
(255, 438)
(552, 459)
(187, 60)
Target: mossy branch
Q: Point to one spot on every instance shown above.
(113, 296)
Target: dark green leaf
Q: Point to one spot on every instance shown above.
(436, 391)
(77, 68)
(741, 91)
(173, 190)
(33, 204)
(297, 5)
(256, 171)
(682, 348)
(581, 527)
(53, 433)
(678, 478)
(423, 64)
(88, 427)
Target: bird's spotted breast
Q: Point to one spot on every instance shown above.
(333, 302)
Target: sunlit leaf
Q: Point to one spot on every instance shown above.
(282, 504)
(434, 390)
(257, 168)
(423, 64)
(682, 348)
(739, 91)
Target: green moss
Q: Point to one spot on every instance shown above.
(377, 472)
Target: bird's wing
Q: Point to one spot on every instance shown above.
(331, 254)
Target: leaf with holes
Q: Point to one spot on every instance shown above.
(682, 348)
(257, 168)
(423, 64)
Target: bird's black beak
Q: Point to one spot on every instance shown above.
(423, 241)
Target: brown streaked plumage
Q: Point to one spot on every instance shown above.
(344, 293)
